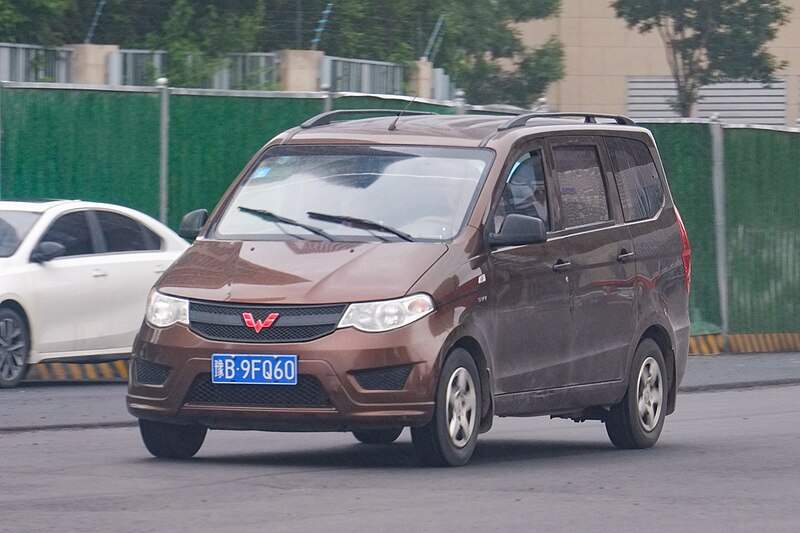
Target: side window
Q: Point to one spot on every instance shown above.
(71, 230)
(640, 188)
(583, 193)
(524, 192)
(123, 234)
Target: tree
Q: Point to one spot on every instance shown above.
(198, 39)
(709, 41)
(32, 21)
(480, 46)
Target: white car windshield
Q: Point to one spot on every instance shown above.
(355, 193)
(14, 225)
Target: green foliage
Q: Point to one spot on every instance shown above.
(710, 40)
(37, 21)
(479, 47)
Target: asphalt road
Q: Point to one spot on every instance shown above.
(727, 461)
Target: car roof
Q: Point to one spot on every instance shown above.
(447, 130)
(34, 206)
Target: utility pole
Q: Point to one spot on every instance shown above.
(97, 12)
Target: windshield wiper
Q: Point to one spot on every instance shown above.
(272, 217)
(360, 223)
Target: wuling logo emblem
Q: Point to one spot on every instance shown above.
(258, 325)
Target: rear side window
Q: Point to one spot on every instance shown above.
(71, 230)
(580, 179)
(639, 186)
(123, 234)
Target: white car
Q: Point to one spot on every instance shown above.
(74, 280)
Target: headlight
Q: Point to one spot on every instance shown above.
(387, 315)
(163, 310)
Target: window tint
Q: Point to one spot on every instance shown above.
(639, 186)
(583, 193)
(123, 234)
(524, 192)
(71, 230)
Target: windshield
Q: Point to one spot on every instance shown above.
(14, 225)
(356, 193)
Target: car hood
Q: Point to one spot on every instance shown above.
(298, 272)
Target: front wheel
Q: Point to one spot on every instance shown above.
(15, 344)
(637, 421)
(450, 437)
(171, 441)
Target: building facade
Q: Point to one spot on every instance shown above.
(611, 68)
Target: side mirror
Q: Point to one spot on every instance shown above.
(518, 230)
(192, 222)
(47, 250)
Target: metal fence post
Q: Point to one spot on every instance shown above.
(163, 168)
(720, 222)
(461, 103)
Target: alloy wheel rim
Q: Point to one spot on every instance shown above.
(461, 407)
(650, 394)
(12, 349)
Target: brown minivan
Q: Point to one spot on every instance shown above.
(424, 271)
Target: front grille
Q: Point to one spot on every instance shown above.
(225, 322)
(148, 373)
(393, 378)
(307, 393)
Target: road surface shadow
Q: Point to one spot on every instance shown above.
(402, 454)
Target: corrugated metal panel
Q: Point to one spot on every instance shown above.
(762, 170)
(686, 153)
(741, 102)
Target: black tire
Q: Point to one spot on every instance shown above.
(450, 437)
(171, 441)
(378, 436)
(636, 422)
(15, 345)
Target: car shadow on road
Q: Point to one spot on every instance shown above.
(402, 454)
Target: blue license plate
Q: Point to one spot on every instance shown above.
(254, 369)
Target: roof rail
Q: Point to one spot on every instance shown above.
(588, 118)
(324, 119)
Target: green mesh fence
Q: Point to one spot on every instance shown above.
(211, 138)
(762, 170)
(104, 146)
(686, 153)
(91, 145)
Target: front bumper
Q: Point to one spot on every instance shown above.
(348, 380)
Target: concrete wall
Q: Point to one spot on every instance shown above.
(89, 63)
(601, 53)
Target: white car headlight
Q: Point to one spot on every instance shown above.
(163, 310)
(387, 315)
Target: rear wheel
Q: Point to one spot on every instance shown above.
(450, 437)
(378, 436)
(637, 421)
(15, 344)
(172, 441)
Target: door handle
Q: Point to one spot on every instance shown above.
(159, 269)
(625, 255)
(561, 265)
(99, 273)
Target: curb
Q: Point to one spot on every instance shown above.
(745, 343)
(109, 371)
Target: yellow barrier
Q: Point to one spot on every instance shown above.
(745, 343)
(110, 371)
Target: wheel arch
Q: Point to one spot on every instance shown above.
(474, 349)
(662, 338)
(16, 307)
